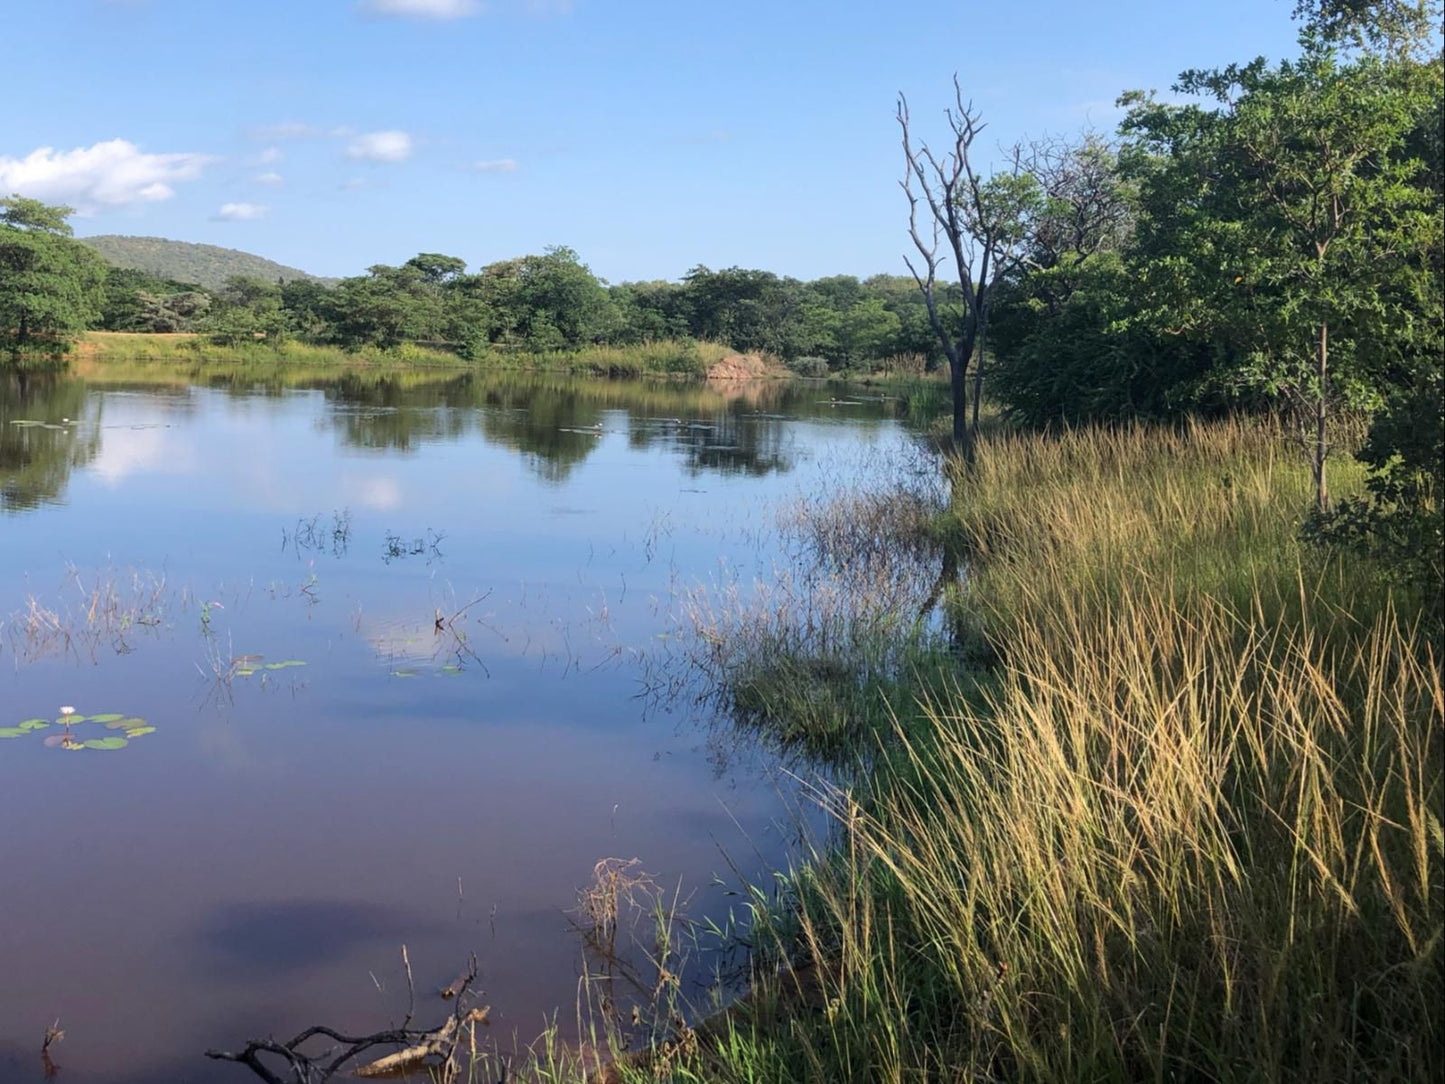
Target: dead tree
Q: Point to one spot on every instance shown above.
(982, 220)
(1086, 208)
(420, 1048)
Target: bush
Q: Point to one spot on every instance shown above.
(809, 366)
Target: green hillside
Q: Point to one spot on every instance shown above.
(182, 261)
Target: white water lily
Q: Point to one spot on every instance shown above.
(67, 710)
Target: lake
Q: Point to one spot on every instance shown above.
(375, 663)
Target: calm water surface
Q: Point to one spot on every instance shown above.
(254, 864)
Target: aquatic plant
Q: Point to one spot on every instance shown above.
(127, 728)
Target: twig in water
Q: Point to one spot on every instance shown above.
(431, 1048)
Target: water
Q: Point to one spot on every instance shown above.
(254, 864)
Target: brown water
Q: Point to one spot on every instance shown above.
(254, 864)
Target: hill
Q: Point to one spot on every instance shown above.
(183, 261)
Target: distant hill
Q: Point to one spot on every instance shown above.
(206, 265)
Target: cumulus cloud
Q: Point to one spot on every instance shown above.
(423, 9)
(269, 157)
(271, 180)
(108, 174)
(240, 212)
(391, 146)
(495, 165)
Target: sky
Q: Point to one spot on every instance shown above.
(649, 135)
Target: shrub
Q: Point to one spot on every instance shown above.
(809, 366)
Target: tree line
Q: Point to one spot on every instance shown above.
(1275, 243)
(51, 287)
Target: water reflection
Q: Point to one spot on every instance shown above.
(443, 773)
(51, 424)
(556, 422)
(43, 437)
(273, 939)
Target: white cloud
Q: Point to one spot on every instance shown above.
(391, 146)
(240, 212)
(141, 451)
(269, 157)
(351, 184)
(381, 492)
(496, 165)
(109, 174)
(424, 9)
(271, 180)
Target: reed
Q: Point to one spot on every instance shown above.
(1187, 828)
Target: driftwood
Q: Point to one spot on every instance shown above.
(422, 1049)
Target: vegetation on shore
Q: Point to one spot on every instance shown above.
(667, 358)
(1187, 827)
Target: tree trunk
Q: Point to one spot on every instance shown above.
(962, 434)
(1321, 449)
(978, 371)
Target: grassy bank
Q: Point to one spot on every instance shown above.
(1186, 827)
(667, 358)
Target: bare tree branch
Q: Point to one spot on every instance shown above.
(420, 1047)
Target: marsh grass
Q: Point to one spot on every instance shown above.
(200, 355)
(117, 346)
(105, 608)
(669, 357)
(809, 658)
(1187, 829)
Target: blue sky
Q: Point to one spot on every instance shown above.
(650, 135)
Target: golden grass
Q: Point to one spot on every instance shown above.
(1187, 829)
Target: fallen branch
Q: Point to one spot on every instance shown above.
(433, 1048)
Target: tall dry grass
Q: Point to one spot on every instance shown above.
(1187, 829)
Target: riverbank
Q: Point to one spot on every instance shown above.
(666, 358)
(1159, 799)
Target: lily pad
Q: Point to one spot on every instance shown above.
(403, 673)
(245, 671)
(106, 743)
(284, 664)
(451, 669)
(128, 726)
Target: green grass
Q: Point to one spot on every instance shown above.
(667, 358)
(1186, 829)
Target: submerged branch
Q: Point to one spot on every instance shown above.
(433, 1048)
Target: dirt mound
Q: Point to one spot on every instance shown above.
(741, 367)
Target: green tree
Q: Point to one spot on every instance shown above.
(385, 307)
(50, 285)
(1394, 27)
(248, 309)
(1289, 222)
(867, 331)
(436, 268)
